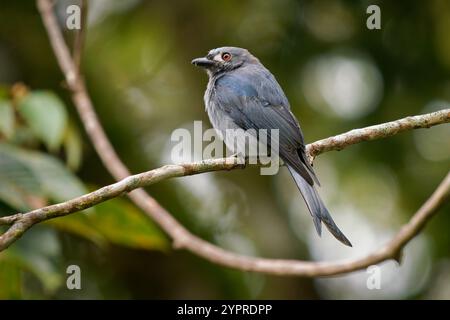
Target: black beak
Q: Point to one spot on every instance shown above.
(202, 62)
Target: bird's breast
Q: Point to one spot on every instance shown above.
(236, 139)
(218, 117)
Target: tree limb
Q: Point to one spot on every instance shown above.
(181, 236)
(392, 250)
(378, 131)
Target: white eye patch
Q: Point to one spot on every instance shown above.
(218, 57)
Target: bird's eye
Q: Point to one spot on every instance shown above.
(226, 56)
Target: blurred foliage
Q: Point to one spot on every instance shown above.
(35, 126)
(337, 74)
(102, 226)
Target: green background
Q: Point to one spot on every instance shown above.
(337, 74)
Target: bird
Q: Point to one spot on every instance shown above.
(243, 94)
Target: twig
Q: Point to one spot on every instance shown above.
(181, 236)
(8, 220)
(378, 131)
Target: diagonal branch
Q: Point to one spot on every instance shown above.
(181, 236)
(392, 250)
(384, 130)
(21, 222)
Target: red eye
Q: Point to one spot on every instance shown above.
(226, 56)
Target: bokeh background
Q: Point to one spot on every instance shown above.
(337, 74)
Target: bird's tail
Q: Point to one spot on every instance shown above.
(317, 209)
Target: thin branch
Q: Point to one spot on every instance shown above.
(8, 220)
(21, 222)
(378, 131)
(392, 250)
(181, 236)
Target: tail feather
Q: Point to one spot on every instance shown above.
(317, 208)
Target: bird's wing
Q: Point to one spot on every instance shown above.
(254, 100)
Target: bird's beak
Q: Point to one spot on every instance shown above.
(203, 62)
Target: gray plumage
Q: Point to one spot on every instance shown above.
(242, 93)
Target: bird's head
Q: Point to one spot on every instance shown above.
(225, 59)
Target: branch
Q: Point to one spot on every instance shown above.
(181, 236)
(21, 222)
(378, 131)
(392, 250)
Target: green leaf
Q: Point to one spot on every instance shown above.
(6, 118)
(55, 180)
(46, 115)
(80, 225)
(73, 147)
(59, 183)
(18, 183)
(122, 224)
(117, 222)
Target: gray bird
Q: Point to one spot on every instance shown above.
(242, 93)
